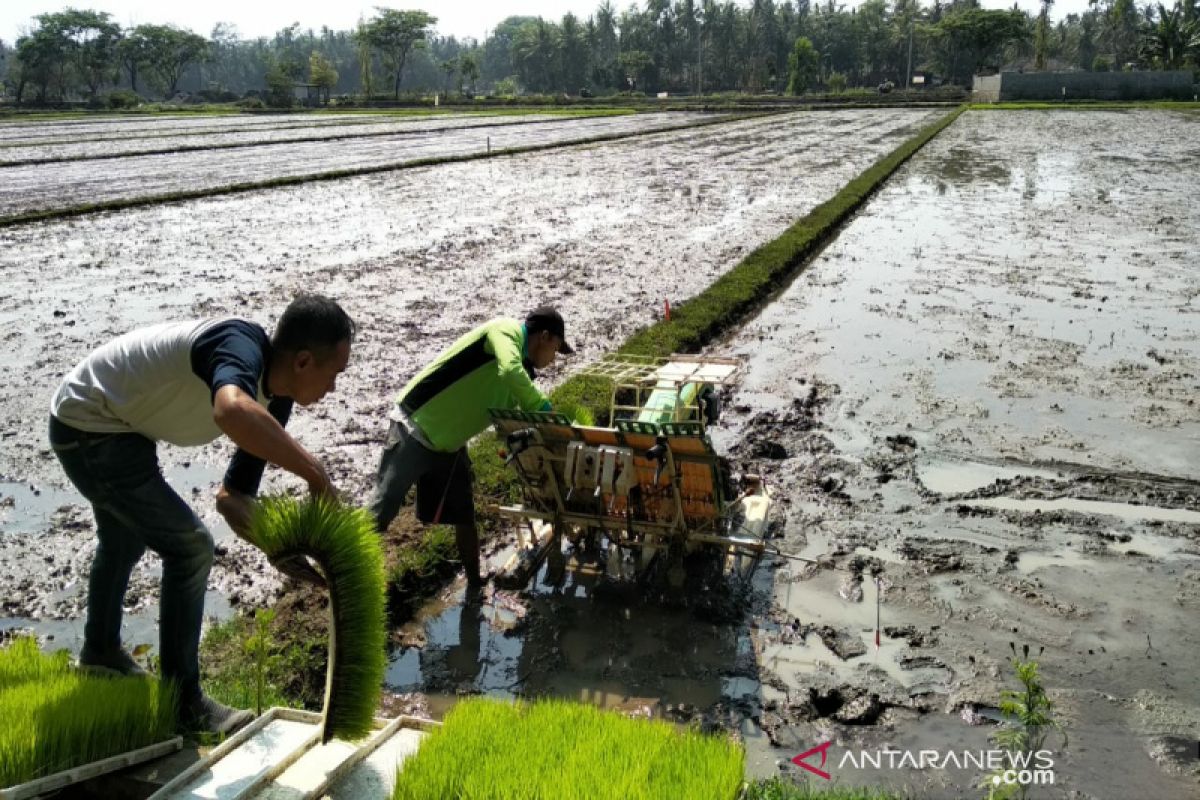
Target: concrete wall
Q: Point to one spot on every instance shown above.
(1175, 85)
(986, 89)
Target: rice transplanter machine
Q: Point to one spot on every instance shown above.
(650, 490)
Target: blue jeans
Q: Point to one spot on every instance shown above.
(135, 509)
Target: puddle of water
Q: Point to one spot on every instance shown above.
(137, 628)
(817, 601)
(1031, 562)
(959, 477)
(1150, 545)
(635, 658)
(27, 509)
(1126, 511)
(32, 508)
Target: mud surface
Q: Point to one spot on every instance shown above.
(976, 410)
(962, 479)
(94, 145)
(984, 389)
(417, 258)
(43, 187)
(17, 132)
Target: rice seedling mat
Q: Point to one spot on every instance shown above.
(279, 756)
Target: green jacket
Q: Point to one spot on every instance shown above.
(449, 399)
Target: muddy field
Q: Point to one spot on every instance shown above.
(151, 139)
(605, 231)
(954, 401)
(976, 407)
(42, 187)
(986, 388)
(46, 131)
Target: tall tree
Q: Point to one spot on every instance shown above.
(170, 51)
(965, 40)
(803, 64)
(468, 63)
(91, 38)
(604, 45)
(135, 51)
(573, 54)
(322, 74)
(1042, 34)
(394, 34)
(42, 62)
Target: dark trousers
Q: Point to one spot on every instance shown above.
(136, 509)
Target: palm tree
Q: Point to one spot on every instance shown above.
(1042, 35)
(1165, 41)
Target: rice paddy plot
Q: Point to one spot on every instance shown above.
(94, 147)
(47, 187)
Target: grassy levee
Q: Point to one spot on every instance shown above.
(349, 134)
(338, 174)
(1085, 105)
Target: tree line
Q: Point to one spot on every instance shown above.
(685, 46)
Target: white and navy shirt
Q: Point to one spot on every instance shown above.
(160, 382)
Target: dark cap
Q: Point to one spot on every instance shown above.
(547, 318)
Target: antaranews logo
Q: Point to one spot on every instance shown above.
(1006, 767)
(800, 762)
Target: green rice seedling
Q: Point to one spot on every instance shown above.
(343, 542)
(557, 750)
(578, 413)
(56, 718)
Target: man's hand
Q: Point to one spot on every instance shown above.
(296, 566)
(320, 485)
(237, 509)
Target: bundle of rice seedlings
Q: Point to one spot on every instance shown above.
(343, 542)
(554, 749)
(578, 413)
(56, 718)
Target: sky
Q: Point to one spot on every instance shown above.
(460, 18)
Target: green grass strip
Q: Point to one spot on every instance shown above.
(556, 750)
(55, 717)
(343, 541)
(1086, 105)
(274, 183)
(196, 148)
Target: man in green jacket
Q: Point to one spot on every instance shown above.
(445, 405)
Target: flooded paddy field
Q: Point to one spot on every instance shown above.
(104, 145)
(64, 184)
(418, 257)
(975, 410)
(983, 393)
(62, 130)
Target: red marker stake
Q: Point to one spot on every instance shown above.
(667, 309)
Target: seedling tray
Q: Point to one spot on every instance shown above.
(279, 756)
(67, 777)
